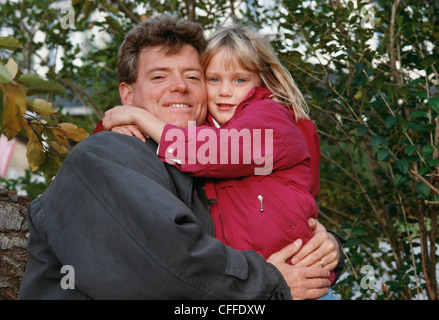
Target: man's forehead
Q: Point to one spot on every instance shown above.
(157, 59)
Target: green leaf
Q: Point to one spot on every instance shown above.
(362, 130)
(416, 81)
(359, 67)
(350, 242)
(400, 179)
(403, 165)
(420, 94)
(34, 84)
(403, 123)
(434, 102)
(378, 82)
(432, 162)
(428, 61)
(418, 114)
(382, 154)
(10, 43)
(423, 189)
(427, 151)
(359, 231)
(359, 80)
(5, 76)
(390, 121)
(411, 149)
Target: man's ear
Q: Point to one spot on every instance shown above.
(126, 93)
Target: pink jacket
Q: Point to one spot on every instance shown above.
(261, 212)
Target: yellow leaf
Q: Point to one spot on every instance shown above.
(12, 67)
(27, 127)
(14, 102)
(59, 136)
(358, 95)
(58, 148)
(35, 153)
(41, 106)
(71, 131)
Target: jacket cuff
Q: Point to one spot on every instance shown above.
(283, 291)
(341, 260)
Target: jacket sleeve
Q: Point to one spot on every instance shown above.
(113, 215)
(260, 139)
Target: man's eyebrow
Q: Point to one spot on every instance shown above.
(194, 68)
(189, 68)
(154, 69)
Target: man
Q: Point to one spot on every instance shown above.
(120, 224)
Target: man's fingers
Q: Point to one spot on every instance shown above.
(287, 252)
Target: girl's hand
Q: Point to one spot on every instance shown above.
(142, 119)
(130, 130)
(120, 116)
(321, 251)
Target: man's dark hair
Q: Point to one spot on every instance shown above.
(160, 30)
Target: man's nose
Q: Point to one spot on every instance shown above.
(179, 84)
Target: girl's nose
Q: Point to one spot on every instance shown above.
(225, 90)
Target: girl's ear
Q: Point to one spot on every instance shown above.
(126, 93)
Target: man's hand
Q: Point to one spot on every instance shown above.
(321, 251)
(304, 282)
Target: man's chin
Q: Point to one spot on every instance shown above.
(182, 123)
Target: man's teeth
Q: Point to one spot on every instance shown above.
(179, 105)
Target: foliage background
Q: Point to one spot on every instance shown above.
(369, 70)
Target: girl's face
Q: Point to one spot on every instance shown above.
(227, 87)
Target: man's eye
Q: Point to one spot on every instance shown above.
(157, 77)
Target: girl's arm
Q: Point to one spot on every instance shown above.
(256, 142)
(129, 115)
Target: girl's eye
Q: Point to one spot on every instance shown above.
(240, 80)
(214, 80)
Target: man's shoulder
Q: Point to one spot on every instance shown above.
(107, 142)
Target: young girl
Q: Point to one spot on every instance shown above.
(255, 111)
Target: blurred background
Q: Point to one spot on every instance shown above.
(368, 70)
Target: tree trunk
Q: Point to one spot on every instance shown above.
(13, 241)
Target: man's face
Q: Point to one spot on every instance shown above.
(171, 87)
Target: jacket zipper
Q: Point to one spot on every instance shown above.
(261, 198)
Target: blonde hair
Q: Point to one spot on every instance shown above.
(255, 53)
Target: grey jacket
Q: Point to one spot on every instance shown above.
(127, 226)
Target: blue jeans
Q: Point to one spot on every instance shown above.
(329, 296)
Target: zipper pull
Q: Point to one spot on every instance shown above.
(260, 197)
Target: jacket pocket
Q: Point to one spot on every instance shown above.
(277, 213)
